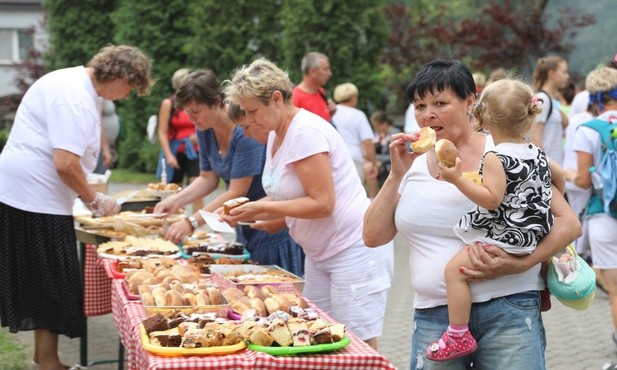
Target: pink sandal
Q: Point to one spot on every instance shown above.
(450, 347)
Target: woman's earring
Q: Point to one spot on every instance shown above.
(469, 114)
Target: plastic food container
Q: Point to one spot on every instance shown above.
(239, 276)
(220, 310)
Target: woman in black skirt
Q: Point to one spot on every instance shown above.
(53, 144)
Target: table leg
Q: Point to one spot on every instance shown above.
(83, 341)
(120, 355)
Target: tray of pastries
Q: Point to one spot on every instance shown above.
(199, 297)
(195, 334)
(133, 246)
(240, 276)
(263, 300)
(289, 334)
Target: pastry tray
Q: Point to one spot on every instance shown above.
(221, 310)
(179, 351)
(296, 285)
(316, 348)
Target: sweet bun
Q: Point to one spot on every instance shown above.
(259, 307)
(202, 299)
(425, 142)
(271, 305)
(232, 294)
(446, 152)
(147, 299)
(189, 299)
(173, 298)
(215, 296)
(269, 290)
(254, 292)
(241, 305)
(233, 203)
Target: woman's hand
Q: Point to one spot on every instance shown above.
(168, 206)
(246, 212)
(172, 161)
(451, 174)
(400, 158)
(178, 231)
(490, 262)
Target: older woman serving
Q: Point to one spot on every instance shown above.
(311, 181)
(54, 142)
(505, 315)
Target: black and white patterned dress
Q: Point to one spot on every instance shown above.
(524, 216)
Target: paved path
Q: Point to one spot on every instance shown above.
(577, 340)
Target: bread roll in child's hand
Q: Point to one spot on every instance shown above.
(446, 152)
(425, 140)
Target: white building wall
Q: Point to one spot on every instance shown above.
(11, 18)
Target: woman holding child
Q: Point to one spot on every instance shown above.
(505, 314)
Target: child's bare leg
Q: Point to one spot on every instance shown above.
(459, 294)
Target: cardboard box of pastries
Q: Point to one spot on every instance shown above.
(239, 276)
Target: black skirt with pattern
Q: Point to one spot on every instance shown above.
(40, 279)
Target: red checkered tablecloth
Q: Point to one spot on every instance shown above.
(97, 285)
(129, 314)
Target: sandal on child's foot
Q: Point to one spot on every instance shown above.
(450, 347)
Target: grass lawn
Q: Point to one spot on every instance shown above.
(128, 176)
(12, 356)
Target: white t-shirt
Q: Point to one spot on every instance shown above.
(427, 227)
(579, 103)
(308, 135)
(602, 236)
(552, 135)
(354, 127)
(577, 196)
(59, 111)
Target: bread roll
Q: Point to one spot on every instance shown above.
(159, 298)
(269, 290)
(233, 203)
(282, 301)
(202, 299)
(241, 305)
(232, 294)
(189, 299)
(215, 296)
(271, 305)
(147, 299)
(136, 279)
(446, 152)
(173, 298)
(425, 142)
(254, 292)
(259, 307)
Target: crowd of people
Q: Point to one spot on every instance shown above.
(328, 191)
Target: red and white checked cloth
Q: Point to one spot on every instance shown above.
(129, 314)
(97, 285)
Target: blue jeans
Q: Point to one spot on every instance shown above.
(509, 332)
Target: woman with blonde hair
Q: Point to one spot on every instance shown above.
(550, 75)
(356, 130)
(312, 185)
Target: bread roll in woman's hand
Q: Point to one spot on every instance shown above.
(446, 152)
(425, 141)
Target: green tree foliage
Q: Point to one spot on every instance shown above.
(351, 34)
(78, 29)
(228, 35)
(160, 29)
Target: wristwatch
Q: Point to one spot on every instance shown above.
(193, 221)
